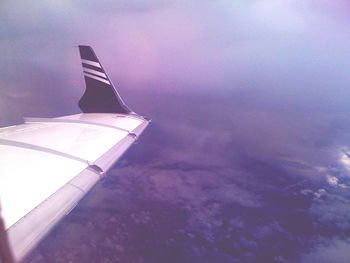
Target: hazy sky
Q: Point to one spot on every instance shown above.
(296, 51)
(248, 153)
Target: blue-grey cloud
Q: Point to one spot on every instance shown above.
(329, 251)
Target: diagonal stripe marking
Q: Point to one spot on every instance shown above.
(92, 63)
(97, 78)
(98, 73)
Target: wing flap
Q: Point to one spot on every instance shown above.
(34, 217)
(21, 183)
(25, 234)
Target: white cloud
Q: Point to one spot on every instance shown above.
(344, 158)
(319, 193)
(332, 180)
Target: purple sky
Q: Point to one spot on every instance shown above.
(247, 157)
(296, 51)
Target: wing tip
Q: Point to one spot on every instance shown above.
(100, 95)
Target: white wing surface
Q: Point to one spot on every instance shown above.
(48, 164)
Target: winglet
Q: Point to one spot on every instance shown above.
(100, 94)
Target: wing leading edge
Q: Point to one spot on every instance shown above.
(47, 165)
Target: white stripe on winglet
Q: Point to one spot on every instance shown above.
(92, 63)
(95, 72)
(97, 78)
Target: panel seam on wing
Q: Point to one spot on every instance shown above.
(34, 147)
(48, 120)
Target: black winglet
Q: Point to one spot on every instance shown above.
(100, 95)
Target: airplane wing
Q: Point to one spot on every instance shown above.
(47, 165)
